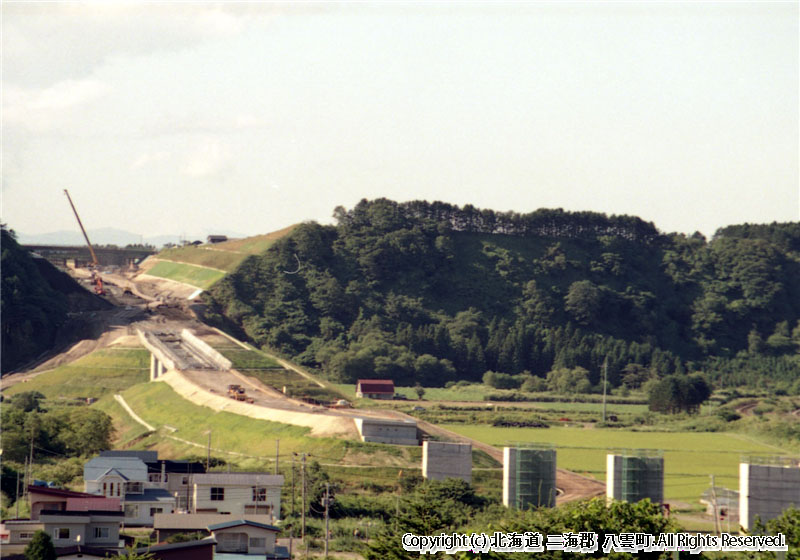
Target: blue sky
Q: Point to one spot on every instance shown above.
(170, 118)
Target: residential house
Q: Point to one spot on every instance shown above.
(172, 476)
(44, 498)
(98, 529)
(375, 389)
(126, 478)
(217, 238)
(237, 493)
(247, 537)
(168, 524)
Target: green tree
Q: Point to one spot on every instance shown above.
(40, 548)
(583, 301)
(419, 390)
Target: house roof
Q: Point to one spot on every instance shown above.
(175, 467)
(208, 541)
(85, 551)
(190, 521)
(375, 385)
(238, 522)
(143, 455)
(151, 495)
(240, 479)
(58, 492)
(131, 468)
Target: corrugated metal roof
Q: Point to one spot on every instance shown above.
(240, 479)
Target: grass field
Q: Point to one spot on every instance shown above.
(104, 371)
(689, 457)
(188, 274)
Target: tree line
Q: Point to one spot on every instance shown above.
(430, 293)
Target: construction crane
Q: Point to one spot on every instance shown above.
(96, 280)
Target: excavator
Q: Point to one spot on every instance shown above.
(96, 280)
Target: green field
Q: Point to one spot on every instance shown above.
(689, 457)
(104, 371)
(188, 274)
(476, 392)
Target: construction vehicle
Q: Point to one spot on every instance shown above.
(96, 280)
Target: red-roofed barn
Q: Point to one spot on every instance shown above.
(375, 388)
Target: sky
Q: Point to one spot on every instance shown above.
(189, 118)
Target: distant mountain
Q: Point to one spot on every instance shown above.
(110, 236)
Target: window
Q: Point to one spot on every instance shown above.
(25, 536)
(133, 487)
(101, 532)
(61, 533)
(131, 510)
(258, 543)
(104, 490)
(155, 510)
(185, 480)
(259, 494)
(154, 477)
(217, 494)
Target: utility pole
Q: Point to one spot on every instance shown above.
(303, 472)
(327, 502)
(277, 454)
(208, 451)
(714, 502)
(293, 455)
(17, 499)
(605, 383)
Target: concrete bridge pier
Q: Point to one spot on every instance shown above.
(156, 367)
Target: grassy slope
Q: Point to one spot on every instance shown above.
(102, 372)
(689, 457)
(203, 265)
(186, 273)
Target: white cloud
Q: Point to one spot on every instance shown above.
(147, 159)
(210, 157)
(49, 107)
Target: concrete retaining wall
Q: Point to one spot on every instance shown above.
(397, 432)
(206, 351)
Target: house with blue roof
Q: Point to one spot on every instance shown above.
(127, 478)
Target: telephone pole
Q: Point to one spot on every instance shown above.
(208, 451)
(605, 383)
(327, 503)
(303, 472)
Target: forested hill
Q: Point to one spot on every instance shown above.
(431, 293)
(36, 300)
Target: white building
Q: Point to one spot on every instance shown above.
(237, 493)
